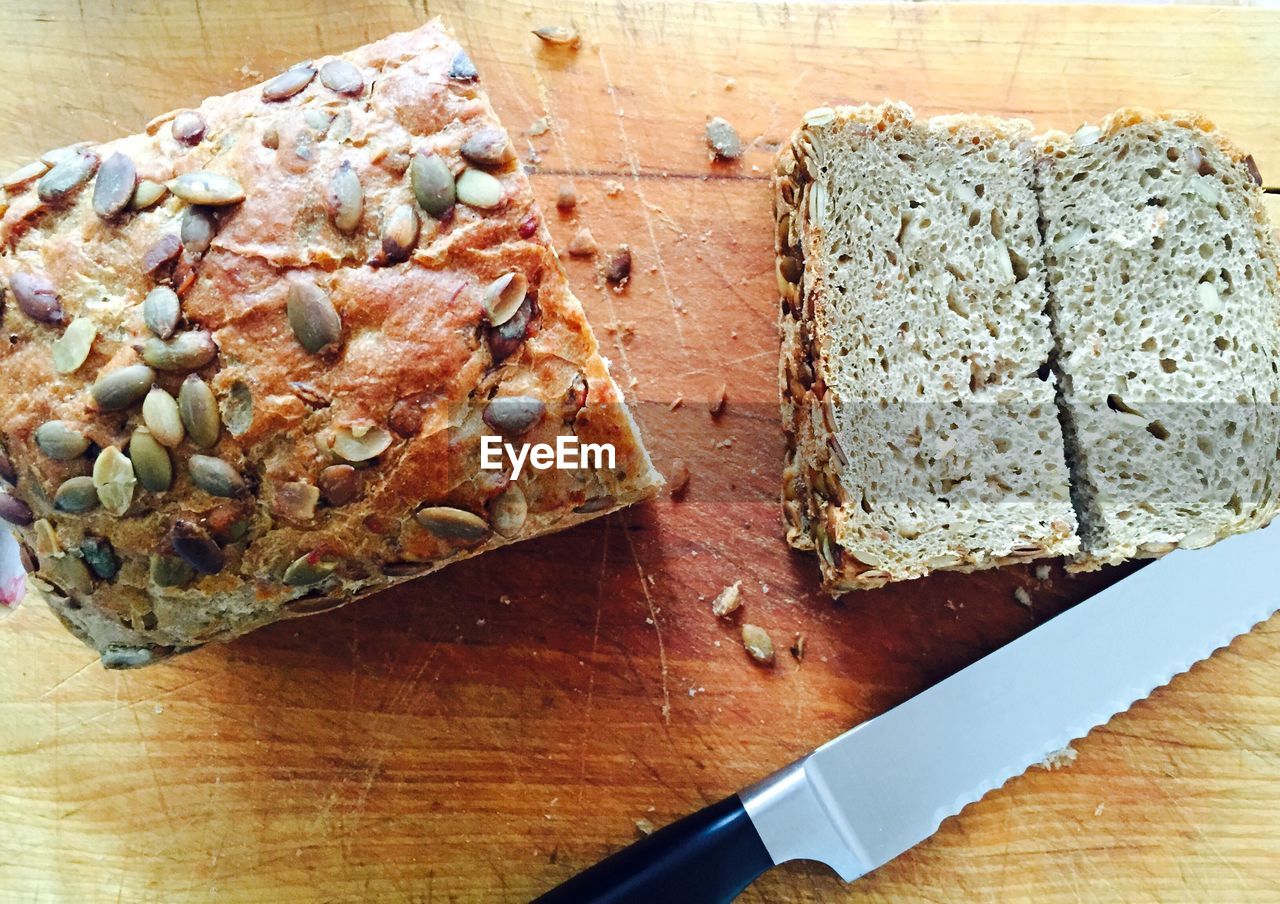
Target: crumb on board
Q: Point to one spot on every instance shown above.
(676, 402)
(1023, 598)
(566, 197)
(716, 401)
(727, 600)
(644, 826)
(540, 126)
(1097, 811)
(797, 647)
(613, 188)
(583, 244)
(617, 271)
(723, 139)
(678, 479)
(1059, 759)
(758, 643)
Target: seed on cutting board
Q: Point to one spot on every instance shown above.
(342, 77)
(122, 387)
(61, 440)
(360, 444)
(453, 524)
(76, 495)
(758, 643)
(101, 557)
(617, 271)
(113, 189)
(559, 35)
(309, 569)
(433, 184)
(198, 228)
(71, 349)
(162, 417)
(188, 127)
(509, 511)
(162, 311)
(345, 198)
(195, 547)
(185, 351)
(163, 251)
(237, 409)
(216, 477)
(461, 69)
(114, 477)
(477, 188)
(339, 484)
(289, 83)
(14, 510)
(169, 571)
(36, 297)
(487, 146)
(727, 601)
(514, 415)
(583, 244)
(151, 462)
(723, 139)
(503, 297)
(146, 194)
(199, 411)
(400, 233)
(312, 316)
(202, 187)
(58, 184)
(25, 174)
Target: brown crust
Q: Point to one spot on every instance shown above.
(413, 354)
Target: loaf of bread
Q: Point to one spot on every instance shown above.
(252, 353)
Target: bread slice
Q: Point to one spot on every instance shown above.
(917, 396)
(1163, 291)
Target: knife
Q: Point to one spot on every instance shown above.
(884, 786)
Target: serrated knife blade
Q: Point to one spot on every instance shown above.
(884, 786)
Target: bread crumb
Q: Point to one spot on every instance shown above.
(613, 188)
(583, 244)
(566, 198)
(727, 600)
(678, 479)
(797, 647)
(758, 644)
(1020, 594)
(1042, 573)
(540, 126)
(1097, 811)
(716, 402)
(730, 84)
(676, 402)
(644, 826)
(617, 271)
(1059, 759)
(723, 139)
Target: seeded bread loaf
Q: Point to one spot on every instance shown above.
(1162, 285)
(916, 387)
(251, 353)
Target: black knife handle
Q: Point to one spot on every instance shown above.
(708, 857)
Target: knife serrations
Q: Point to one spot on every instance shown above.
(884, 786)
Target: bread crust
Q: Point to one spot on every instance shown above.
(416, 357)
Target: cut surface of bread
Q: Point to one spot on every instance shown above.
(917, 395)
(1163, 292)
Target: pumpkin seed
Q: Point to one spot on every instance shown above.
(559, 35)
(339, 484)
(354, 444)
(186, 351)
(758, 643)
(36, 297)
(195, 547)
(598, 504)
(24, 174)
(76, 495)
(113, 190)
(146, 194)
(120, 388)
(509, 511)
(162, 311)
(296, 501)
(433, 184)
(169, 571)
(454, 524)
(72, 348)
(216, 477)
(101, 557)
(345, 198)
(198, 228)
(14, 510)
(203, 187)
(515, 415)
(237, 409)
(309, 569)
(487, 147)
(67, 573)
(461, 69)
(342, 77)
(161, 415)
(400, 234)
(503, 297)
(188, 127)
(163, 251)
(312, 316)
(151, 462)
(61, 440)
(505, 340)
(478, 189)
(289, 83)
(113, 476)
(199, 411)
(59, 183)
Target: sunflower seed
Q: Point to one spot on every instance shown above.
(342, 77)
(515, 415)
(617, 271)
(503, 297)
(61, 440)
(202, 187)
(509, 511)
(309, 569)
(14, 510)
(169, 571)
(146, 194)
(312, 316)
(433, 184)
(199, 411)
(559, 35)
(339, 484)
(185, 351)
(36, 297)
(453, 524)
(462, 69)
(598, 504)
(487, 147)
(162, 311)
(505, 340)
(296, 501)
(76, 495)
(345, 198)
(237, 409)
(198, 228)
(67, 573)
(72, 348)
(24, 174)
(151, 462)
(367, 444)
(58, 184)
(114, 478)
(122, 387)
(195, 547)
(163, 251)
(188, 127)
(101, 557)
(758, 643)
(216, 477)
(117, 179)
(723, 139)
(289, 83)
(162, 417)
(478, 189)
(400, 234)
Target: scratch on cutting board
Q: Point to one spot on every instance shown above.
(595, 640)
(1017, 61)
(84, 668)
(151, 767)
(657, 630)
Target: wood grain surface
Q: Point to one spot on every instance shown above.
(484, 733)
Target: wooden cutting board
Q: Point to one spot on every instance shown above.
(484, 733)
